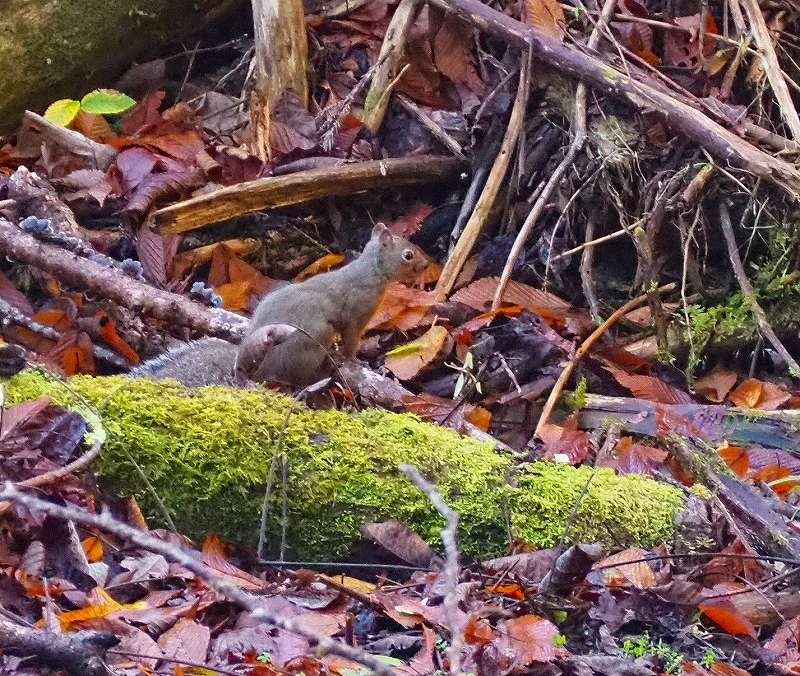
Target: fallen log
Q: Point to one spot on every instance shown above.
(206, 453)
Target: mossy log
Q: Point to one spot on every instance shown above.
(54, 49)
(207, 451)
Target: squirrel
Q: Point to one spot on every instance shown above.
(330, 307)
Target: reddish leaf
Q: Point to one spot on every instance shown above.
(214, 557)
(93, 125)
(650, 388)
(234, 295)
(74, 353)
(132, 165)
(93, 549)
(156, 253)
(723, 613)
(464, 332)
(397, 304)
(774, 473)
(736, 458)
(566, 440)
(529, 638)
(547, 16)
(184, 145)
(159, 187)
(478, 631)
(144, 114)
(716, 385)
(408, 225)
(754, 393)
(479, 295)
(626, 567)
(453, 51)
(638, 458)
(323, 264)
(187, 640)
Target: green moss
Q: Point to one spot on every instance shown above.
(616, 509)
(207, 453)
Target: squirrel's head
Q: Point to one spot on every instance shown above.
(398, 259)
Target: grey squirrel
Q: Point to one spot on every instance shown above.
(327, 308)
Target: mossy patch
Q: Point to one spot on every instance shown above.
(625, 508)
(207, 453)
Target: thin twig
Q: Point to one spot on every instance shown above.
(747, 291)
(192, 562)
(584, 348)
(485, 202)
(430, 124)
(451, 566)
(769, 61)
(578, 140)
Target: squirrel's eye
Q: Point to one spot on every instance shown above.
(408, 255)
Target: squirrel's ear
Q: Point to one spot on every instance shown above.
(383, 234)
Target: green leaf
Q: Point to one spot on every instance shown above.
(106, 102)
(63, 111)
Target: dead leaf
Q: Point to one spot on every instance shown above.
(626, 567)
(529, 639)
(324, 264)
(754, 393)
(736, 458)
(479, 295)
(547, 16)
(401, 305)
(408, 360)
(722, 612)
(650, 388)
(716, 385)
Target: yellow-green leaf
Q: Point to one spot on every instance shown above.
(62, 111)
(106, 102)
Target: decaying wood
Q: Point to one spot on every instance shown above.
(391, 62)
(681, 114)
(87, 275)
(280, 65)
(281, 191)
(80, 653)
(54, 49)
(713, 422)
(35, 130)
(34, 196)
(689, 431)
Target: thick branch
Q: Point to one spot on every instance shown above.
(80, 653)
(81, 273)
(725, 146)
(281, 191)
